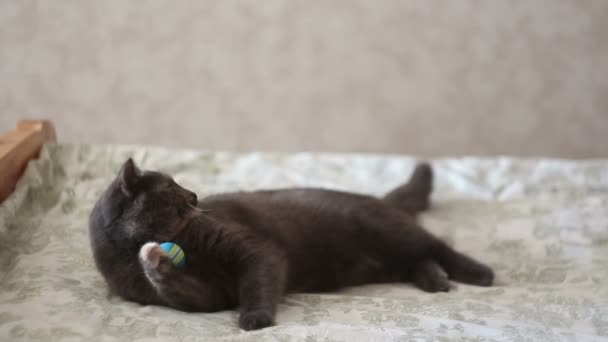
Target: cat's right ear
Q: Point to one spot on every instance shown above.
(128, 177)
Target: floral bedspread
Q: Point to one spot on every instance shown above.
(541, 224)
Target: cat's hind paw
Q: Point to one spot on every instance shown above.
(254, 320)
(430, 277)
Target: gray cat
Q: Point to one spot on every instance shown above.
(247, 249)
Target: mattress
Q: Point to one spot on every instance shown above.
(541, 224)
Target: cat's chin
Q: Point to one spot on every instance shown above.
(186, 217)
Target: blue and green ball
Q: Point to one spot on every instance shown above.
(176, 254)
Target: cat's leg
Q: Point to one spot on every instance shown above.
(410, 244)
(418, 244)
(414, 196)
(176, 288)
(430, 277)
(463, 268)
(440, 262)
(261, 286)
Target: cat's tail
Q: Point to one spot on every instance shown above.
(414, 196)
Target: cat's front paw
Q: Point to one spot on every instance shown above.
(253, 320)
(154, 258)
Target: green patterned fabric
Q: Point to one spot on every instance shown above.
(541, 224)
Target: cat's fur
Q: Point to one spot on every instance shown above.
(249, 248)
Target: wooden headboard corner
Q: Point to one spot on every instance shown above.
(18, 147)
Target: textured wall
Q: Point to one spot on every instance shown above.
(521, 77)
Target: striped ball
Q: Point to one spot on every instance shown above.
(178, 258)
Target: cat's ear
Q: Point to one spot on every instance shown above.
(128, 177)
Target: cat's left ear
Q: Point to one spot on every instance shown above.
(128, 177)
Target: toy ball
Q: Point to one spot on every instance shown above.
(176, 254)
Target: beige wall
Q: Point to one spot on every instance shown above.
(521, 77)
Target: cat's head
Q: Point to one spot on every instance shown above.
(140, 206)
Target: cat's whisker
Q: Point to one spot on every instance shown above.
(199, 209)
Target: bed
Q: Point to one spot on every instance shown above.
(540, 223)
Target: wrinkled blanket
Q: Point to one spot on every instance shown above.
(541, 224)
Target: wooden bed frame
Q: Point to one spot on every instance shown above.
(18, 147)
